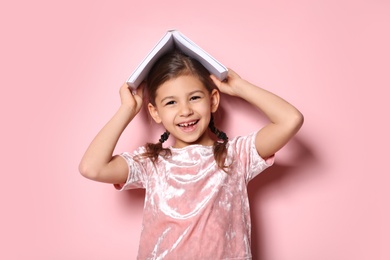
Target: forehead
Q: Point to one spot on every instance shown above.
(180, 86)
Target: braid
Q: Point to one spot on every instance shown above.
(220, 135)
(220, 150)
(154, 150)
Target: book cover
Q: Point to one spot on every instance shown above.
(175, 39)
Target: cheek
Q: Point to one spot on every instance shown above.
(166, 115)
(205, 108)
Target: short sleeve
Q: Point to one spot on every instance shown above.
(245, 156)
(136, 177)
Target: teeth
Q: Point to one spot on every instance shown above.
(188, 124)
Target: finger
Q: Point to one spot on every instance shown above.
(140, 88)
(124, 90)
(232, 74)
(216, 81)
(124, 86)
(138, 99)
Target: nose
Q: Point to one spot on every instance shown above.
(186, 110)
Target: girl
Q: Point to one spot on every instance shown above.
(196, 202)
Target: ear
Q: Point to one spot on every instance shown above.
(214, 100)
(154, 113)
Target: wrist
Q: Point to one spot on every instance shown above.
(242, 87)
(127, 111)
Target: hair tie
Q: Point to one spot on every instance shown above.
(164, 137)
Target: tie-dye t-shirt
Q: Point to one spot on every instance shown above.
(193, 209)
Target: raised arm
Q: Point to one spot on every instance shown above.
(285, 119)
(98, 162)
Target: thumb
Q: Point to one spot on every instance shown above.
(138, 101)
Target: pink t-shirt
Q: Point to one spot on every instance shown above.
(193, 209)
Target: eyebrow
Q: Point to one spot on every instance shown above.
(189, 94)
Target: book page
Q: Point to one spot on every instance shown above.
(168, 42)
(193, 50)
(164, 45)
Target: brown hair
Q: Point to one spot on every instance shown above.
(171, 66)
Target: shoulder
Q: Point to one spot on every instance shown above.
(135, 156)
(243, 154)
(240, 143)
(244, 148)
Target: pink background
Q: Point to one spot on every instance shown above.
(62, 63)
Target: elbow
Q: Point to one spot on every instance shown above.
(297, 120)
(87, 171)
(294, 122)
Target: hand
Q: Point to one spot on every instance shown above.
(229, 85)
(132, 99)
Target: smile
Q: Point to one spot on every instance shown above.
(188, 123)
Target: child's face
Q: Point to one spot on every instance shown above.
(184, 106)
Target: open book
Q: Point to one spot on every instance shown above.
(174, 39)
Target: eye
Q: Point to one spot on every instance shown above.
(195, 97)
(170, 103)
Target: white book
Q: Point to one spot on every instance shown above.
(175, 39)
